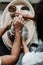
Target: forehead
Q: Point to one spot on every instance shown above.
(19, 6)
(22, 7)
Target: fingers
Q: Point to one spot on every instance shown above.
(20, 18)
(17, 19)
(24, 14)
(23, 22)
(18, 22)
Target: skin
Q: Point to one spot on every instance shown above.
(15, 52)
(5, 27)
(25, 15)
(25, 48)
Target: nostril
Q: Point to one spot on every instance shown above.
(17, 15)
(12, 15)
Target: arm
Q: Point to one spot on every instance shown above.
(13, 58)
(25, 48)
(3, 30)
(26, 15)
(15, 52)
(5, 27)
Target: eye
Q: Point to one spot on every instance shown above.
(12, 8)
(24, 8)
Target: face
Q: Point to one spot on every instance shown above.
(18, 8)
(23, 9)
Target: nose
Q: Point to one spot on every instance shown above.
(18, 13)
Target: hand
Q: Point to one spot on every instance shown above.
(25, 14)
(18, 23)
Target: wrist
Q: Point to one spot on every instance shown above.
(18, 32)
(17, 35)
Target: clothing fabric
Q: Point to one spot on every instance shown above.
(35, 57)
(3, 49)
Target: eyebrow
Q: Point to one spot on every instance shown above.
(24, 8)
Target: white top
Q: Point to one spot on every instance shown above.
(32, 58)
